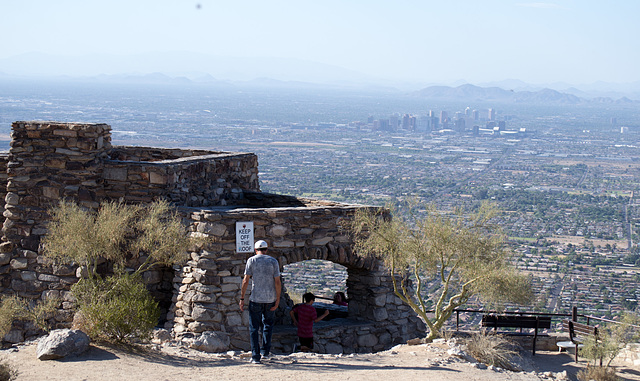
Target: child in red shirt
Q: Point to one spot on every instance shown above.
(307, 315)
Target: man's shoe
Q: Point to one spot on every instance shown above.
(254, 361)
(266, 357)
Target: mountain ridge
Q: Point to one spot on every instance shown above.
(468, 92)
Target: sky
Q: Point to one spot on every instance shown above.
(572, 41)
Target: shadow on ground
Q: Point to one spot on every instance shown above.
(552, 361)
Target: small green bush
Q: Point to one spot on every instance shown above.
(493, 349)
(597, 373)
(118, 308)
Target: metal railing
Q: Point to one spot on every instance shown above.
(515, 313)
(574, 315)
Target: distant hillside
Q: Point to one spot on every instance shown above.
(179, 64)
(496, 94)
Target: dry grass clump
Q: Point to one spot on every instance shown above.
(493, 349)
(7, 373)
(13, 307)
(10, 308)
(597, 373)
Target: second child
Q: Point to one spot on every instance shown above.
(307, 315)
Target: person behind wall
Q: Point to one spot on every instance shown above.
(264, 272)
(340, 299)
(306, 316)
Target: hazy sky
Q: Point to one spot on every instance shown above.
(575, 41)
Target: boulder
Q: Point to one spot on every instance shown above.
(61, 343)
(14, 336)
(212, 342)
(161, 336)
(333, 348)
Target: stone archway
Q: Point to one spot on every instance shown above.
(322, 278)
(208, 287)
(363, 276)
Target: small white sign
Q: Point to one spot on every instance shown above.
(244, 237)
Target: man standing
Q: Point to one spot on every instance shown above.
(264, 271)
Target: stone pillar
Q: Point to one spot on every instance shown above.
(48, 161)
(4, 159)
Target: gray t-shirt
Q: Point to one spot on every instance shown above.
(263, 270)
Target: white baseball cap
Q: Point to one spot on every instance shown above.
(261, 245)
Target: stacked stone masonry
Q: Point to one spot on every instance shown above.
(50, 161)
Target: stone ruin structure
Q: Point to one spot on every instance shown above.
(212, 190)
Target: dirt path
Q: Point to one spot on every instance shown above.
(421, 362)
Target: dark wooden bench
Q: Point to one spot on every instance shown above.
(515, 321)
(335, 311)
(578, 333)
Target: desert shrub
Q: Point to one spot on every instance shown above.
(119, 233)
(118, 308)
(597, 373)
(16, 308)
(7, 372)
(612, 338)
(493, 349)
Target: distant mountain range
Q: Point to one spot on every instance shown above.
(474, 93)
(179, 64)
(189, 68)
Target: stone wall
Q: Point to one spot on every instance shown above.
(49, 161)
(212, 179)
(127, 153)
(630, 354)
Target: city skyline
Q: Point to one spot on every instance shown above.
(577, 42)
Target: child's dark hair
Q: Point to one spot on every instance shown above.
(340, 297)
(308, 297)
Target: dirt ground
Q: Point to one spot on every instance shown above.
(420, 362)
(577, 241)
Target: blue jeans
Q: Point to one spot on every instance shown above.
(261, 317)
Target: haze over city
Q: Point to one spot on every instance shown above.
(381, 42)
